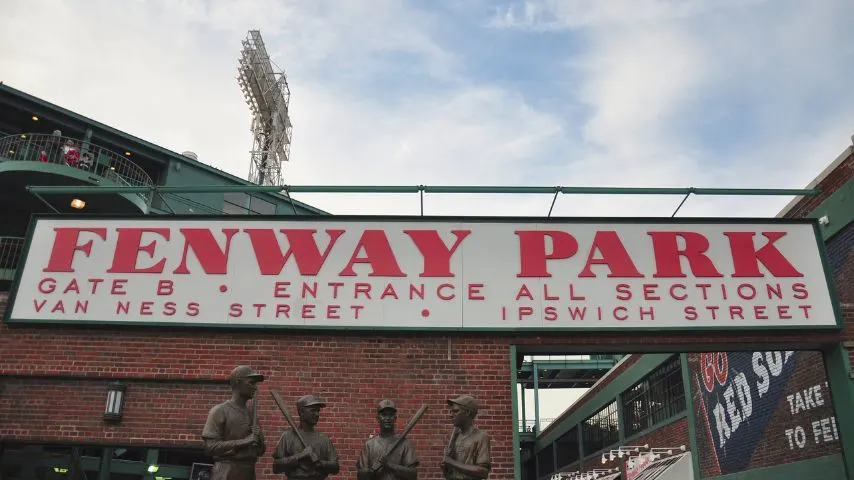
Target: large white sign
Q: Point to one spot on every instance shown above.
(404, 273)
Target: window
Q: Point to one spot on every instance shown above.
(567, 448)
(235, 203)
(262, 207)
(659, 396)
(601, 430)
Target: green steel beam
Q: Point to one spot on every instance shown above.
(109, 189)
(543, 365)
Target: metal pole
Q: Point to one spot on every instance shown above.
(536, 400)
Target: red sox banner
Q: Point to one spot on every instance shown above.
(753, 406)
(497, 274)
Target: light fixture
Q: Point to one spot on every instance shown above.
(23, 135)
(11, 152)
(153, 468)
(115, 401)
(78, 204)
(35, 118)
(127, 154)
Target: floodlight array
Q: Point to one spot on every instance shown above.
(267, 94)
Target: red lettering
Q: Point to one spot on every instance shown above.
(759, 312)
(691, 312)
(749, 289)
(283, 309)
(649, 312)
(673, 293)
(165, 287)
(443, 296)
(308, 311)
(72, 287)
(736, 310)
(614, 255)
(212, 258)
(356, 309)
(437, 256)
(525, 312)
(474, 291)
(649, 291)
(378, 254)
(362, 288)
(783, 312)
(235, 310)
(806, 309)
(524, 292)
(193, 309)
(65, 244)
(332, 312)
(533, 254)
(624, 291)
(389, 292)
(47, 285)
(746, 258)
(170, 308)
(551, 314)
(668, 254)
(118, 287)
(145, 308)
(622, 310)
(309, 290)
(39, 305)
(800, 291)
(301, 244)
(95, 282)
(280, 290)
(128, 246)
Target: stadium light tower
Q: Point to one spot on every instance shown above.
(266, 90)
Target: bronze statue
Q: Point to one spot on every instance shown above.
(232, 433)
(386, 456)
(303, 453)
(467, 455)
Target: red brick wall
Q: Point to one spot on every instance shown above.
(166, 404)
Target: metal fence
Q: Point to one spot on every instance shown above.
(11, 251)
(530, 426)
(74, 153)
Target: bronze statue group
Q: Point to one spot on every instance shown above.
(233, 437)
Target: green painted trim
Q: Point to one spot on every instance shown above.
(839, 209)
(514, 408)
(689, 407)
(821, 468)
(508, 189)
(828, 276)
(567, 365)
(838, 369)
(646, 364)
(621, 421)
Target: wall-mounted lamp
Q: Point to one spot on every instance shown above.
(115, 402)
(77, 203)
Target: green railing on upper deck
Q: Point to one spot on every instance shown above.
(11, 252)
(75, 153)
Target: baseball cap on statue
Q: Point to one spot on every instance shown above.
(466, 401)
(386, 404)
(245, 371)
(309, 401)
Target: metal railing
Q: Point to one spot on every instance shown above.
(74, 153)
(11, 252)
(530, 426)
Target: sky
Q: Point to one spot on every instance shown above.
(670, 93)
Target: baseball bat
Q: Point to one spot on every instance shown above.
(284, 410)
(409, 427)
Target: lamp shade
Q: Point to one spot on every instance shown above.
(115, 401)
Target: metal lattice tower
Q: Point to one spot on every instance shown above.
(266, 90)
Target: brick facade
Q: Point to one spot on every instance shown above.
(173, 377)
